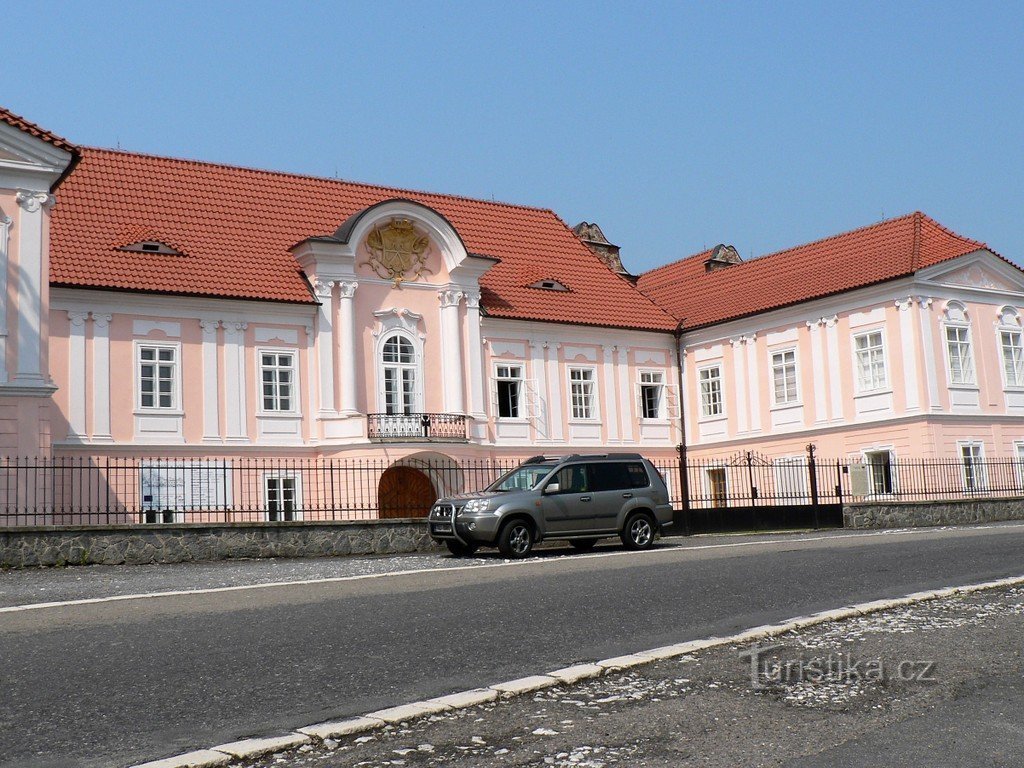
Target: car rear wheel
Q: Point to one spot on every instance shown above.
(515, 539)
(583, 545)
(459, 549)
(638, 532)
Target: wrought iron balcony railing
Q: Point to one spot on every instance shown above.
(416, 427)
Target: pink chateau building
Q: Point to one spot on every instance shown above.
(161, 307)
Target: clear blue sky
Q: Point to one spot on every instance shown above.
(673, 126)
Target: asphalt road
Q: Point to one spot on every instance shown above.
(115, 683)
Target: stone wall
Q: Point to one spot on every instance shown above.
(135, 544)
(912, 514)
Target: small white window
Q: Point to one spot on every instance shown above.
(158, 377)
(652, 394)
(277, 377)
(784, 377)
(880, 471)
(972, 455)
(870, 351)
(509, 384)
(958, 353)
(581, 392)
(283, 497)
(1012, 346)
(711, 391)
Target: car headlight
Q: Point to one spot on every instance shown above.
(477, 505)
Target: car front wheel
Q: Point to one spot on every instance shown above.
(515, 539)
(639, 531)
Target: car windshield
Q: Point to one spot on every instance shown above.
(522, 478)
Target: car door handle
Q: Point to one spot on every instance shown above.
(584, 498)
(627, 495)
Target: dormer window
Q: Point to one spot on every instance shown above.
(151, 246)
(549, 285)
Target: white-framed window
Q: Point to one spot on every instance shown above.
(784, 377)
(278, 390)
(508, 382)
(1011, 344)
(1018, 453)
(581, 393)
(958, 354)
(711, 403)
(879, 464)
(282, 496)
(972, 454)
(158, 376)
(399, 375)
(869, 349)
(652, 395)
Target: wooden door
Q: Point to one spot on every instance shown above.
(405, 492)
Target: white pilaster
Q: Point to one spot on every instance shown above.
(626, 414)
(555, 425)
(743, 398)
(348, 362)
(538, 370)
(325, 345)
(931, 365)
(211, 380)
(908, 341)
(235, 383)
(818, 369)
(101, 377)
(754, 374)
(477, 384)
(5, 230)
(76, 375)
(611, 410)
(31, 262)
(834, 377)
(451, 351)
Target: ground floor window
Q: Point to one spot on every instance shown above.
(973, 466)
(282, 497)
(880, 471)
(718, 489)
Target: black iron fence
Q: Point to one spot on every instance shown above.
(747, 490)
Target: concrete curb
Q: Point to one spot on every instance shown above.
(255, 747)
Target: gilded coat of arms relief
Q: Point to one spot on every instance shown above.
(397, 252)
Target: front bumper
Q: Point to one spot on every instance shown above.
(476, 528)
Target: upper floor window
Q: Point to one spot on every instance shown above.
(509, 385)
(711, 391)
(399, 365)
(784, 377)
(958, 353)
(1012, 345)
(158, 376)
(581, 392)
(652, 394)
(277, 374)
(870, 351)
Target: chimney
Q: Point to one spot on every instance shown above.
(722, 256)
(594, 239)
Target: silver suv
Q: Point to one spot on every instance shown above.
(579, 498)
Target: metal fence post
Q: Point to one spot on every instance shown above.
(684, 486)
(813, 472)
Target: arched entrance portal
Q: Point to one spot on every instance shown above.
(405, 492)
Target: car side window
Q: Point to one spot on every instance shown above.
(638, 477)
(609, 476)
(572, 479)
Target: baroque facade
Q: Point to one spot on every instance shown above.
(166, 307)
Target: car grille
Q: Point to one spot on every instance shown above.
(443, 512)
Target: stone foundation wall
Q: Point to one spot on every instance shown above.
(178, 543)
(912, 514)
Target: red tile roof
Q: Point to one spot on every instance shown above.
(884, 251)
(235, 227)
(19, 122)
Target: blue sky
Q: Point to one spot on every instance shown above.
(673, 126)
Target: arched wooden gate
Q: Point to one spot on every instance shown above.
(405, 492)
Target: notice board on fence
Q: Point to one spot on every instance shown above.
(193, 485)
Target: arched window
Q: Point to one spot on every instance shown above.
(959, 357)
(398, 358)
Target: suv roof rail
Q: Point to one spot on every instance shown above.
(632, 456)
(541, 458)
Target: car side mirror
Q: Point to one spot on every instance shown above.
(552, 488)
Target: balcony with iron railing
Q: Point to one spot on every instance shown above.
(416, 427)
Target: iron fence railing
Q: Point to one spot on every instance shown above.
(83, 490)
